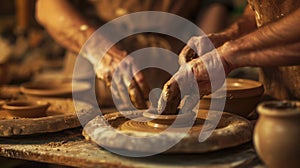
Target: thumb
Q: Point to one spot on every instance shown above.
(170, 98)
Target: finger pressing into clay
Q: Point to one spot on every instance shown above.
(115, 95)
(136, 96)
(135, 93)
(170, 98)
(140, 81)
(120, 87)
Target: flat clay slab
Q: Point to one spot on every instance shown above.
(232, 130)
(60, 115)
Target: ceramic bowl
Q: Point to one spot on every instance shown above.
(180, 119)
(242, 96)
(277, 133)
(26, 108)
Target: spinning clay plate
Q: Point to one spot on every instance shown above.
(232, 130)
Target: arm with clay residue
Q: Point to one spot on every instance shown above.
(275, 44)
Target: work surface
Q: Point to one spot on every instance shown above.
(70, 148)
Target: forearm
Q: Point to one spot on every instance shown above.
(276, 44)
(69, 28)
(64, 23)
(245, 24)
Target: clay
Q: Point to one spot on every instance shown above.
(103, 94)
(242, 96)
(230, 127)
(26, 108)
(163, 120)
(59, 116)
(52, 89)
(277, 133)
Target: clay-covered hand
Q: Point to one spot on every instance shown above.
(128, 86)
(200, 45)
(199, 77)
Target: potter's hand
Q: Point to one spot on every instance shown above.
(200, 45)
(118, 71)
(190, 76)
(197, 45)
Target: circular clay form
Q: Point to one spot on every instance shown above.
(53, 89)
(26, 108)
(277, 133)
(242, 96)
(110, 130)
(157, 120)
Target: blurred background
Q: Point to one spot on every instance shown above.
(27, 49)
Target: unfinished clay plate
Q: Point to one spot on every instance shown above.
(26, 108)
(53, 89)
(59, 116)
(178, 120)
(232, 130)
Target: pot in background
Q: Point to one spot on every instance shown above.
(277, 134)
(26, 108)
(242, 96)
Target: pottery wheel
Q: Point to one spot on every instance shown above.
(60, 115)
(232, 130)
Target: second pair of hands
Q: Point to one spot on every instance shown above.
(120, 73)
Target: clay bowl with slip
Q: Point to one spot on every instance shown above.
(26, 108)
(242, 96)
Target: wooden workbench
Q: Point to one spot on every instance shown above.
(69, 148)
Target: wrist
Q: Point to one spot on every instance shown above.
(227, 53)
(218, 39)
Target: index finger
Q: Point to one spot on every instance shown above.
(170, 98)
(186, 55)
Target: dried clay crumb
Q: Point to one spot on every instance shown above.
(56, 144)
